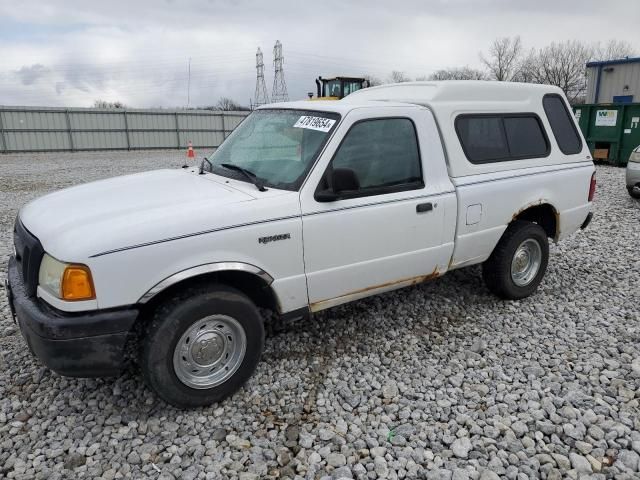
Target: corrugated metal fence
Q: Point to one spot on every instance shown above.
(38, 129)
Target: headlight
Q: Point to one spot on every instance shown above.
(635, 156)
(66, 281)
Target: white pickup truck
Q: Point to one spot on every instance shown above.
(307, 205)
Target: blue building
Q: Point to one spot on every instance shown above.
(613, 81)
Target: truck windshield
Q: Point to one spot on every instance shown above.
(278, 147)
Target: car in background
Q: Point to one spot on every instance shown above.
(633, 173)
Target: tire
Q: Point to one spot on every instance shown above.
(632, 191)
(202, 330)
(510, 280)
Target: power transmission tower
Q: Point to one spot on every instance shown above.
(261, 88)
(279, 93)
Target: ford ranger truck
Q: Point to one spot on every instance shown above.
(306, 205)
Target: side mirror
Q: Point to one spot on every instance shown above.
(326, 196)
(202, 167)
(342, 180)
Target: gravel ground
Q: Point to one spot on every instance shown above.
(438, 381)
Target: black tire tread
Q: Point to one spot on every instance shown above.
(159, 316)
(496, 269)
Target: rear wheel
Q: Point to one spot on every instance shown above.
(202, 345)
(516, 267)
(634, 191)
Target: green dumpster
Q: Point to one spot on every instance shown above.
(612, 131)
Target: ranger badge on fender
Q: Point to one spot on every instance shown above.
(274, 238)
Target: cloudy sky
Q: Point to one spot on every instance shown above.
(72, 52)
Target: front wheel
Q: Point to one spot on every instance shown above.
(634, 191)
(517, 264)
(202, 345)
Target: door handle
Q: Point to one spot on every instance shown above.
(424, 207)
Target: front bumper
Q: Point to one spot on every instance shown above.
(72, 344)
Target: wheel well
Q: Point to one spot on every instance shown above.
(544, 215)
(251, 285)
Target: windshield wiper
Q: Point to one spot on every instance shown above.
(247, 173)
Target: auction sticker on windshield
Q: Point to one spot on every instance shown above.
(315, 123)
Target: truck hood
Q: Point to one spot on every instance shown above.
(78, 222)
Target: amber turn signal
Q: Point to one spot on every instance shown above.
(77, 283)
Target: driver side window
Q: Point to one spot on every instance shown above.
(383, 154)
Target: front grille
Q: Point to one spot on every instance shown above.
(29, 254)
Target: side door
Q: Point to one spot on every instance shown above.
(374, 207)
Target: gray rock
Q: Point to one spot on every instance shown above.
(390, 390)
(336, 459)
(460, 474)
(305, 440)
(461, 447)
(629, 459)
(380, 467)
(580, 463)
(478, 346)
(325, 434)
(248, 476)
(489, 475)
(439, 474)
(133, 458)
(283, 456)
(342, 472)
(237, 442)
(583, 447)
(74, 460)
(563, 462)
(219, 434)
(292, 432)
(519, 428)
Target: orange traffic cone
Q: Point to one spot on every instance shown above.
(190, 153)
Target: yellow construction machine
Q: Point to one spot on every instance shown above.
(337, 87)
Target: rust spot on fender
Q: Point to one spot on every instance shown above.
(556, 214)
(406, 282)
(528, 206)
(537, 203)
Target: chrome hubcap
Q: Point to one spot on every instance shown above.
(208, 348)
(526, 262)
(210, 351)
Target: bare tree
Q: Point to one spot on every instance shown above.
(105, 104)
(372, 80)
(458, 73)
(504, 58)
(227, 104)
(527, 71)
(561, 64)
(613, 50)
(398, 77)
